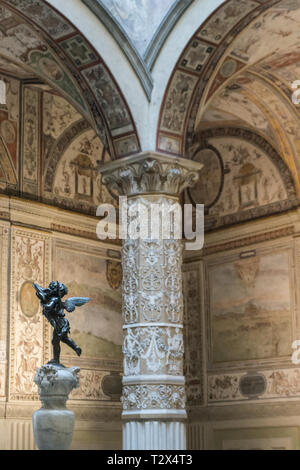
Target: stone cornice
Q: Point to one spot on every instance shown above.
(150, 172)
(277, 409)
(50, 219)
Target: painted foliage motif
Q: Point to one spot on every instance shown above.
(109, 97)
(177, 102)
(44, 15)
(280, 383)
(58, 114)
(276, 30)
(250, 308)
(236, 103)
(226, 17)
(9, 133)
(4, 254)
(98, 329)
(245, 177)
(77, 182)
(31, 140)
(254, 102)
(29, 340)
(71, 154)
(250, 180)
(193, 361)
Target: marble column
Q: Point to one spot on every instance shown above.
(153, 396)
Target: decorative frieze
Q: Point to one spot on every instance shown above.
(154, 349)
(89, 386)
(278, 383)
(193, 360)
(161, 396)
(250, 240)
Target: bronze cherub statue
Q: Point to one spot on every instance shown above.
(53, 310)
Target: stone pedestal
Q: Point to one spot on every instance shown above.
(53, 423)
(153, 384)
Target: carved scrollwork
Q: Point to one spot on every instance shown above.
(153, 396)
(132, 351)
(130, 267)
(152, 280)
(153, 349)
(52, 380)
(130, 308)
(174, 306)
(151, 306)
(150, 175)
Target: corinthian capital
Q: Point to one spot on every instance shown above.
(150, 172)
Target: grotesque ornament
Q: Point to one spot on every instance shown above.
(114, 274)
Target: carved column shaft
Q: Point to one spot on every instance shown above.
(153, 383)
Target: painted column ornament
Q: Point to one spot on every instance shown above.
(153, 384)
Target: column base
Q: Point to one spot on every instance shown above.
(154, 435)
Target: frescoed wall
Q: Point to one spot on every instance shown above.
(241, 297)
(89, 269)
(250, 308)
(243, 177)
(97, 327)
(54, 147)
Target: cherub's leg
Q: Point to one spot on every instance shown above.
(56, 347)
(65, 339)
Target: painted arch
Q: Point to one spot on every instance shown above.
(245, 55)
(38, 39)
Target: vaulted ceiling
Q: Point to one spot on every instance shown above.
(139, 18)
(37, 41)
(238, 69)
(261, 66)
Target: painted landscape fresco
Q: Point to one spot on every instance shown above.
(251, 308)
(96, 327)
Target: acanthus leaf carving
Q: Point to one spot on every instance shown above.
(150, 173)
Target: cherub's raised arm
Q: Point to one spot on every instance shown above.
(40, 291)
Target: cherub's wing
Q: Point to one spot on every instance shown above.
(73, 302)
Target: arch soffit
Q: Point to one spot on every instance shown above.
(40, 39)
(187, 89)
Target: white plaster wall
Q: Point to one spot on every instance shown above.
(145, 114)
